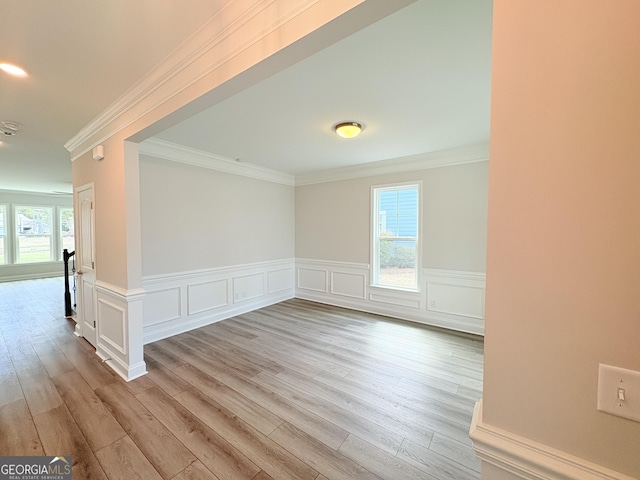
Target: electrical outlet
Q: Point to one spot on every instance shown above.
(619, 392)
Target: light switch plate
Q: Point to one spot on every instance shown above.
(610, 380)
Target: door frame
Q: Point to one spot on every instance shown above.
(79, 330)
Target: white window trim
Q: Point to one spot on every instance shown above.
(59, 236)
(374, 236)
(53, 257)
(5, 219)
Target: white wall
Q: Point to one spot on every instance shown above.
(11, 272)
(564, 234)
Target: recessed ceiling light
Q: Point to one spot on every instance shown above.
(13, 70)
(348, 129)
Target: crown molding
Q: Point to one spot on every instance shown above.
(242, 25)
(191, 156)
(423, 161)
(174, 152)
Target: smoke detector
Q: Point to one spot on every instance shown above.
(10, 128)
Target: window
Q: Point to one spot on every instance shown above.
(33, 234)
(67, 230)
(3, 234)
(395, 236)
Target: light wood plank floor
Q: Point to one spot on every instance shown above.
(294, 391)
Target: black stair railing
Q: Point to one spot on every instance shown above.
(66, 256)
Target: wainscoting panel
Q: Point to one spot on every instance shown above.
(113, 324)
(349, 284)
(280, 280)
(179, 302)
(207, 296)
(119, 329)
(455, 293)
(446, 298)
(248, 287)
(163, 305)
(313, 279)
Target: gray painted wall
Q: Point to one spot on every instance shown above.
(194, 218)
(333, 219)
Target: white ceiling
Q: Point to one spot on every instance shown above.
(419, 80)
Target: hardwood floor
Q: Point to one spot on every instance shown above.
(293, 391)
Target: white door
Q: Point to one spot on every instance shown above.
(86, 264)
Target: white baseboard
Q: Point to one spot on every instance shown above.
(447, 298)
(525, 459)
(30, 276)
(127, 372)
(184, 301)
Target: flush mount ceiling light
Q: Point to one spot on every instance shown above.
(348, 129)
(12, 70)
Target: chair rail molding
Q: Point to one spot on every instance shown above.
(446, 298)
(182, 301)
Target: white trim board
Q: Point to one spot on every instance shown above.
(182, 301)
(458, 295)
(118, 333)
(530, 460)
(423, 161)
(30, 276)
(174, 152)
(239, 42)
(187, 57)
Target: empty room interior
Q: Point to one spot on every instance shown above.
(318, 239)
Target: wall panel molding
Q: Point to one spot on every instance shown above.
(455, 293)
(112, 325)
(118, 321)
(525, 459)
(210, 295)
(449, 299)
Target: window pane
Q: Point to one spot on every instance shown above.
(3, 232)
(33, 225)
(67, 229)
(397, 263)
(398, 213)
(2, 220)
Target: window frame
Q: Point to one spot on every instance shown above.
(375, 234)
(60, 234)
(52, 234)
(4, 217)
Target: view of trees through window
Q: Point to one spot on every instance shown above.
(396, 236)
(33, 226)
(67, 229)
